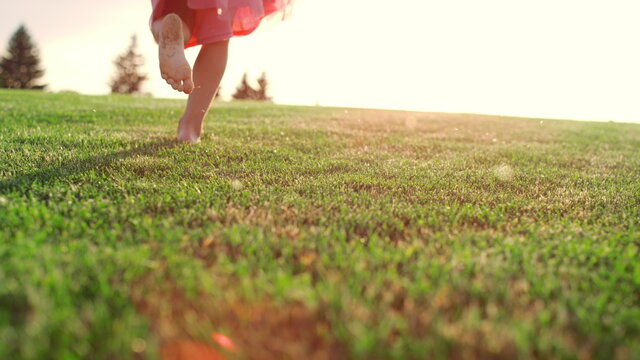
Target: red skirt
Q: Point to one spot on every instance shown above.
(211, 21)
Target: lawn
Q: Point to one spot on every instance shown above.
(314, 233)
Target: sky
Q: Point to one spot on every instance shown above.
(570, 59)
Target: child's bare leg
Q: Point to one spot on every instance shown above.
(207, 73)
(172, 34)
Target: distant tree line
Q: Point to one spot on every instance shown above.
(244, 91)
(128, 77)
(20, 69)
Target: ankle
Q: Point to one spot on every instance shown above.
(192, 122)
(189, 126)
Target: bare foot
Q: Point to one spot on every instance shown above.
(173, 65)
(189, 131)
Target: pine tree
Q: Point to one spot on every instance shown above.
(20, 69)
(128, 78)
(244, 91)
(263, 85)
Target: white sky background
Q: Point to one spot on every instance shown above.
(575, 59)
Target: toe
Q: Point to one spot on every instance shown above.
(180, 87)
(188, 86)
(164, 76)
(173, 83)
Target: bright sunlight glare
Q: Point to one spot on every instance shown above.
(546, 58)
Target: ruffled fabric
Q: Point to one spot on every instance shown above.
(217, 20)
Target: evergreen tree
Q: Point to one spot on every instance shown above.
(244, 91)
(20, 69)
(263, 85)
(128, 78)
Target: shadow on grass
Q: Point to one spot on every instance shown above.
(24, 181)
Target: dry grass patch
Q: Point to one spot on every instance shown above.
(259, 328)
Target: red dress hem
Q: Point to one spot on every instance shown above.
(212, 21)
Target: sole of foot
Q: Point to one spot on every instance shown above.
(174, 66)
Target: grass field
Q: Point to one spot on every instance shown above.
(314, 233)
